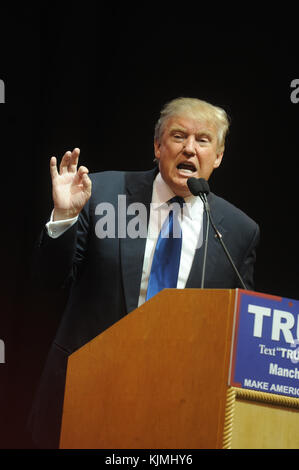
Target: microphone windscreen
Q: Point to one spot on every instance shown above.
(198, 186)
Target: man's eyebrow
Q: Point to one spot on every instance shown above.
(204, 132)
(177, 129)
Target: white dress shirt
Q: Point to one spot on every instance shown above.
(191, 218)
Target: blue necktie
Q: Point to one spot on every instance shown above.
(166, 260)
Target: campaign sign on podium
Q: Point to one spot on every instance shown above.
(265, 350)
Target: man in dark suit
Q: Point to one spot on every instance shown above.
(95, 244)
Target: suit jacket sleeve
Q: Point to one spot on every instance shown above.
(57, 261)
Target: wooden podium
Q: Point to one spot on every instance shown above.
(158, 379)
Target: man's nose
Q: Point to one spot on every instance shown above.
(190, 146)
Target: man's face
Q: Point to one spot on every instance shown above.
(187, 148)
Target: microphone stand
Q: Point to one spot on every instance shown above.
(203, 197)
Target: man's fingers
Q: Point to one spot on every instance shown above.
(86, 181)
(69, 164)
(65, 161)
(82, 170)
(73, 162)
(53, 167)
(69, 161)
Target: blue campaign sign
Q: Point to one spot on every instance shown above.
(265, 354)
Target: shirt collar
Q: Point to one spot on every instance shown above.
(162, 193)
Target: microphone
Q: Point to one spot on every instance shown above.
(200, 187)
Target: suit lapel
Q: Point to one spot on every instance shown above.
(139, 187)
(214, 248)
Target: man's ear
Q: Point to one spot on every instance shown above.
(157, 149)
(218, 160)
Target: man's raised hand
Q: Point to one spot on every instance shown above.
(71, 188)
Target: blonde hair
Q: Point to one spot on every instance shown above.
(197, 109)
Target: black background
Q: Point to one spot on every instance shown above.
(96, 78)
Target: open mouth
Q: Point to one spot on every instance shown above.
(186, 168)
